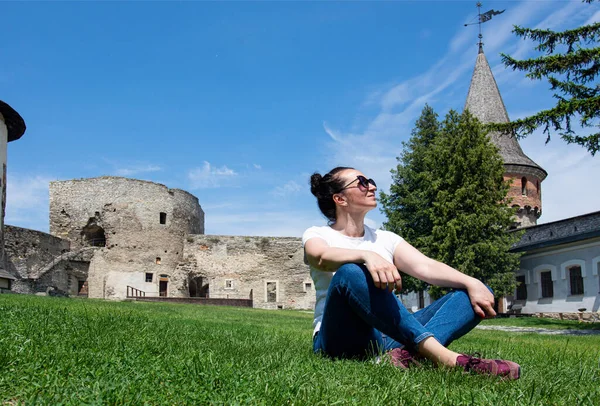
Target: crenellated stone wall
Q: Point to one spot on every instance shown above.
(270, 270)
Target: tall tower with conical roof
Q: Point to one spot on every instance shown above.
(485, 103)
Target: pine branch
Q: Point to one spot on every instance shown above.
(558, 64)
(572, 89)
(549, 39)
(554, 118)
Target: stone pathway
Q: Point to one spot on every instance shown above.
(540, 330)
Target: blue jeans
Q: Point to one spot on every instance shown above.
(361, 320)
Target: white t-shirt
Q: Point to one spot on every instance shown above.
(382, 242)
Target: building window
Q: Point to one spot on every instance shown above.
(149, 277)
(524, 186)
(576, 280)
(421, 299)
(271, 292)
(228, 283)
(521, 288)
(157, 260)
(307, 286)
(163, 218)
(547, 284)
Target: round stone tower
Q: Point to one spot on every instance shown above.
(12, 127)
(485, 102)
(138, 226)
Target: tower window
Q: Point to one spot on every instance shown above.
(524, 186)
(163, 218)
(157, 260)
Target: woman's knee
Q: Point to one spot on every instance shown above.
(350, 271)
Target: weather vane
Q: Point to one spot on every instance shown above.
(482, 18)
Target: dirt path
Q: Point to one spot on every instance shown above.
(540, 330)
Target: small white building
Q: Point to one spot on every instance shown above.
(560, 266)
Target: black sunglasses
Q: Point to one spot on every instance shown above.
(362, 181)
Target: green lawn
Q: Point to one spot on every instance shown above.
(75, 351)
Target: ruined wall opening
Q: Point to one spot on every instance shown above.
(271, 292)
(163, 218)
(197, 287)
(82, 287)
(93, 234)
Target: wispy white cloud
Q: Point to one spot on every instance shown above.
(210, 177)
(289, 189)
(257, 166)
(27, 201)
(593, 19)
(137, 169)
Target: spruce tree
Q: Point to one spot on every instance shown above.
(470, 212)
(571, 63)
(448, 199)
(408, 202)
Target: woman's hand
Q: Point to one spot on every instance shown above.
(384, 274)
(482, 299)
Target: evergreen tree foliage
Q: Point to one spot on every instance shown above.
(448, 199)
(572, 70)
(470, 211)
(406, 206)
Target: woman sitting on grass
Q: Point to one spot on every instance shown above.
(355, 270)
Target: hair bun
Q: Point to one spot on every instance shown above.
(316, 184)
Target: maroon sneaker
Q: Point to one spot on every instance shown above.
(401, 358)
(496, 367)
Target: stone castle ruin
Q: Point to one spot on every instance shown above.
(114, 237)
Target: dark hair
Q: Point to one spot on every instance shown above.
(324, 187)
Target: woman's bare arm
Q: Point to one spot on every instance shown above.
(329, 259)
(411, 261)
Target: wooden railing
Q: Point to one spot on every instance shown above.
(133, 292)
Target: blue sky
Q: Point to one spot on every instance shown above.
(239, 102)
